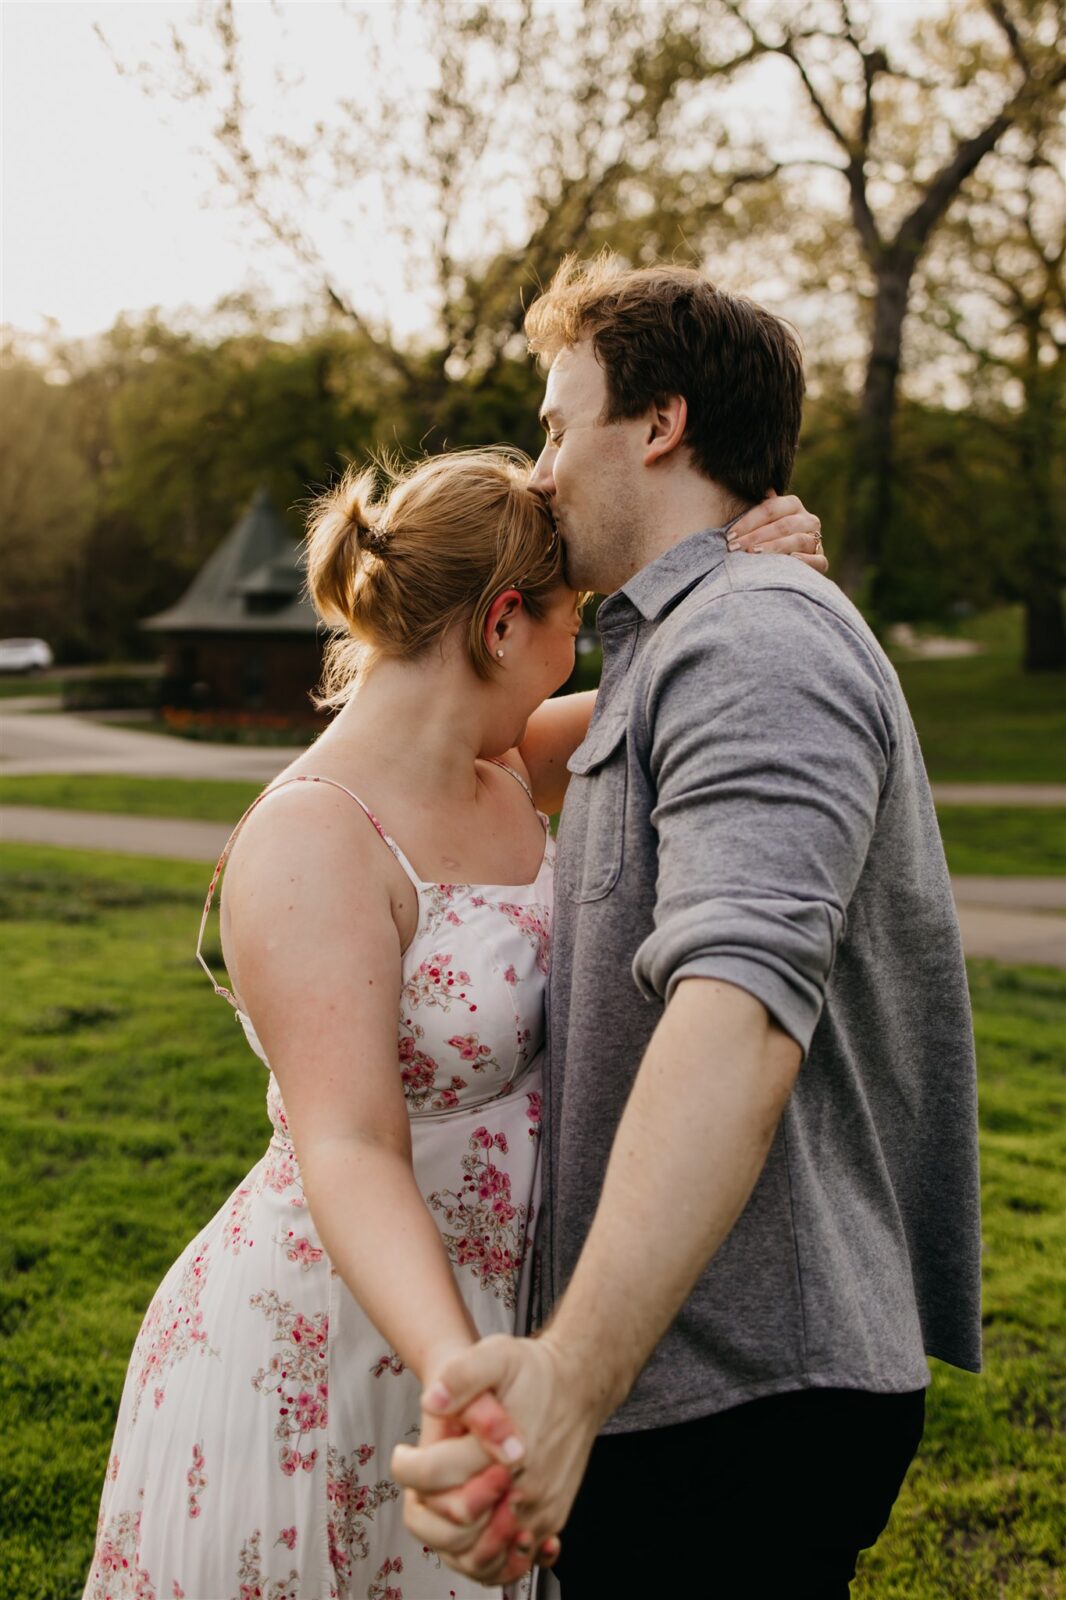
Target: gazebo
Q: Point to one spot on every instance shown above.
(244, 636)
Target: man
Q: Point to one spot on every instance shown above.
(762, 1199)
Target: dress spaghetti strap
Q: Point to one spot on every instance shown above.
(220, 988)
(517, 776)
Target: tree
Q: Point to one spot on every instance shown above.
(515, 132)
(999, 294)
(905, 131)
(46, 500)
(522, 130)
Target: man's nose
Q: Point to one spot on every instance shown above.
(542, 477)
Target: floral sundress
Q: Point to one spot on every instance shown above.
(260, 1408)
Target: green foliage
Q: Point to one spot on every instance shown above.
(46, 499)
(133, 1107)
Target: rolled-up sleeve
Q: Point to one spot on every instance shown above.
(769, 734)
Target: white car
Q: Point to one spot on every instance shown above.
(24, 655)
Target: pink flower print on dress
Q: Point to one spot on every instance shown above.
(485, 1230)
(292, 1461)
(435, 982)
(301, 1251)
(473, 1051)
(437, 908)
(298, 1376)
(276, 1108)
(510, 976)
(533, 1113)
(381, 1589)
(448, 1098)
(236, 1230)
(117, 1573)
(280, 1171)
(287, 1537)
(252, 1581)
(176, 1591)
(418, 1071)
(351, 1505)
(389, 1362)
(533, 921)
(196, 1478)
(172, 1329)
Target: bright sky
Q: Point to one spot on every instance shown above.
(105, 198)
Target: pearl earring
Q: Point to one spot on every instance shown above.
(500, 653)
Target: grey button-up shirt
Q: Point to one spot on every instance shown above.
(750, 804)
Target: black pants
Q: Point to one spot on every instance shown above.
(772, 1500)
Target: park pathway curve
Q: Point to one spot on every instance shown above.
(40, 741)
(1003, 919)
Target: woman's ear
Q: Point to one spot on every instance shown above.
(500, 620)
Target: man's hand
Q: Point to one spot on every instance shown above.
(557, 1414)
(780, 525)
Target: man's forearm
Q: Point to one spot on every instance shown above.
(689, 1148)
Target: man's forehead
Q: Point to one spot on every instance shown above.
(575, 380)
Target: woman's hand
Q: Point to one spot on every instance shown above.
(780, 525)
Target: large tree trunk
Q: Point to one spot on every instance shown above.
(1045, 625)
(1042, 555)
(869, 494)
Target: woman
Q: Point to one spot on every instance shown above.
(390, 1220)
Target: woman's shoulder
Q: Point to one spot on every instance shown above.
(311, 823)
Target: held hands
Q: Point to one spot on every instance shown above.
(489, 1533)
(780, 525)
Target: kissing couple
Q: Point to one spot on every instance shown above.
(690, 1093)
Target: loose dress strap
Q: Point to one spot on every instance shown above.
(220, 988)
(517, 776)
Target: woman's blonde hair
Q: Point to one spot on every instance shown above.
(393, 572)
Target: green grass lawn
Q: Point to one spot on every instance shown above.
(981, 719)
(20, 684)
(1004, 840)
(132, 1106)
(211, 799)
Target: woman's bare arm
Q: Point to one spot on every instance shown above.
(553, 733)
(314, 951)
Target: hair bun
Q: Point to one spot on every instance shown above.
(370, 537)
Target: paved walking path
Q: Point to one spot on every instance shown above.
(36, 742)
(33, 741)
(180, 839)
(997, 794)
(1004, 919)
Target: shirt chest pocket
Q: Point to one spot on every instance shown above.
(600, 765)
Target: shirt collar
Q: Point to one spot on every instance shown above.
(666, 579)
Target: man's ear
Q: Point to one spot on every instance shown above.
(667, 421)
(501, 614)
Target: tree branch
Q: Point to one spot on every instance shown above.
(919, 224)
(998, 10)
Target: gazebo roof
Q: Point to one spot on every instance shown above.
(253, 583)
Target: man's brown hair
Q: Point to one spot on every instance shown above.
(661, 331)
